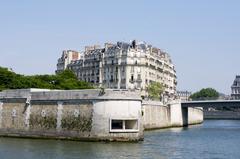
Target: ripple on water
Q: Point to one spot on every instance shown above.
(213, 139)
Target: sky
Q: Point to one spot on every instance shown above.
(202, 37)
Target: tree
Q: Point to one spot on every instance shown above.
(64, 80)
(155, 89)
(205, 94)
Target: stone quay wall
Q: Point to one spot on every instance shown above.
(157, 115)
(73, 114)
(233, 115)
(112, 115)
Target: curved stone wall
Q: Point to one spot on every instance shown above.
(76, 114)
(111, 115)
(106, 111)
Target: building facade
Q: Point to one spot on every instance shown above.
(67, 57)
(123, 65)
(236, 88)
(184, 95)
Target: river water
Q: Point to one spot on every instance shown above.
(212, 139)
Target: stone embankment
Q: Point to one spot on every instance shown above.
(94, 115)
(157, 115)
(233, 115)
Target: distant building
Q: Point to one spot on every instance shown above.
(67, 57)
(223, 96)
(123, 65)
(184, 95)
(236, 88)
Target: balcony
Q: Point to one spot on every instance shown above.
(123, 63)
(123, 80)
(138, 80)
(131, 81)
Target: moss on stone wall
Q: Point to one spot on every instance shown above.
(80, 123)
(47, 122)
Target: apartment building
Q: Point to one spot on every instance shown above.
(236, 88)
(123, 65)
(184, 95)
(67, 57)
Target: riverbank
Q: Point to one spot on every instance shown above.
(88, 115)
(218, 115)
(158, 115)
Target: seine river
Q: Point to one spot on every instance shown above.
(213, 139)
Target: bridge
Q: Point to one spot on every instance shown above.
(211, 103)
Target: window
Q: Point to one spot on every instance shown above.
(131, 124)
(111, 80)
(123, 69)
(117, 124)
(123, 87)
(139, 76)
(132, 69)
(138, 85)
(123, 125)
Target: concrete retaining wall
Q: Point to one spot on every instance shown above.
(157, 115)
(77, 115)
(87, 114)
(195, 115)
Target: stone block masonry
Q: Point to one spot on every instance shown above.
(95, 115)
(157, 115)
(75, 114)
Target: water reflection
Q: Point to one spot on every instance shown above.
(213, 139)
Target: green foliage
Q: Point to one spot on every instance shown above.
(155, 89)
(38, 122)
(64, 80)
(80, 123)
(205, 94)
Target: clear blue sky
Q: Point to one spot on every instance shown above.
(202, 37)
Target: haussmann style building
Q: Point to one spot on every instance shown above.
(236, 88)
(131, 66)
(184, 95)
